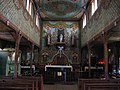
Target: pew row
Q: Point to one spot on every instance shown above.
(21, 83)
(98, 84)
(16, 85)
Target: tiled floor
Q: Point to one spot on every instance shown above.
(60, 87)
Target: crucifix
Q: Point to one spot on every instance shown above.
(60, 50)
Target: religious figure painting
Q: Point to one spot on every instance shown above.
(54, 32)
(73, 37)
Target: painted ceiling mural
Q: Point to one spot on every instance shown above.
(63, 9)
(58, 38)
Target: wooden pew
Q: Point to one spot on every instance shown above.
(13, 84)
(98, 84)
(26, 82)
(38, 81)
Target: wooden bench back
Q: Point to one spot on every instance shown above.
(21, 82)
(98, 84)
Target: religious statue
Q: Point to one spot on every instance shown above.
(72, 36)
(48, 35)
(60, 50)
(10, 57)
(48, 39)
(74, 57)
(61, 37)
(45, 56)
(60, 33)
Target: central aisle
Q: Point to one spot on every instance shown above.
(60, 87)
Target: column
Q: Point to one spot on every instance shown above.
(17, 42)
(79, 42)
(105, 54)
(89, 59)
(31, 58)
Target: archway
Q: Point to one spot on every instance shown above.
(60, 60)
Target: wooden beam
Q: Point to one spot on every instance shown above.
(31, 57)
(105, 42)
(1, 26)
(89, 59)
(42, 86)
(17, 42)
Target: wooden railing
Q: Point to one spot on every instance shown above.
(98, 84)
(21, 83)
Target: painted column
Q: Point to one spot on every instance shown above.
(79, 42)
(42, 83)
(41, 43)
(31, 58)
(41, 30)
(17, 42)
(89, 59)
(105, 54)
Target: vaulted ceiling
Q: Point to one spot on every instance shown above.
(62, 9)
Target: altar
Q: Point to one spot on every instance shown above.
(60, 67)
(58, 73)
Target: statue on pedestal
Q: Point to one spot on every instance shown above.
(48, 35)
(48, 39)
(45, 56)
(60, 33)
(61, 37)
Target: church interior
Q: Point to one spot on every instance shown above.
(59, 44)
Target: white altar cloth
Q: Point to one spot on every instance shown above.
(58, 66)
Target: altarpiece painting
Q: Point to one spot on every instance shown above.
(59, 38)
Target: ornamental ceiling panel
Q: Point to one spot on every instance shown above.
(63, 9)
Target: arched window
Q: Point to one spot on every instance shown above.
(37, 20)
(33, 11)
(84, 20)
(30, 7)
(94, 6)
(27, 5)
